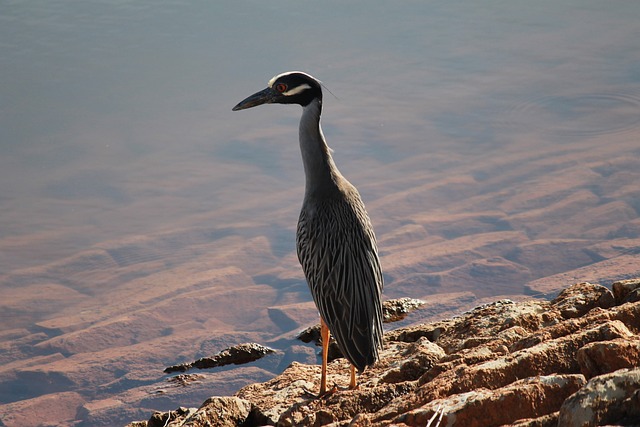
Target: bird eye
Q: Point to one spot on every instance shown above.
(281, 87)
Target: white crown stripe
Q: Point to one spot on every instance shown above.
(274, 78)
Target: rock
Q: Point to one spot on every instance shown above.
(603, 357)
(550, 420)
(555, 356)
(419, 358)
(483, 407)
(220, 411)
(294, 386)
(397, 309)
(527, 357)
(578, 299)
(237, 355)
(215, 411)
(606, 399)
(166, 419)
(626, 290)
(312, 333)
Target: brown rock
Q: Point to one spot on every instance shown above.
(215, 411)
(431, 331)
(577, 300)
(546, 358)
(397, 309)
(526, 357)
(603, 357)
(629, 314)
(418, 358)
(237, 355)
(607, 399)
(294, 386)
(220, 411)
(549, 420)
(167, 419)
(482, 408)
(482, 324)
(626, 290)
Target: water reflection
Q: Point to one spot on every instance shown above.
(582, 115)
(494, 143)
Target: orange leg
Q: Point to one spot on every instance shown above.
(353, 384)
(324, 335)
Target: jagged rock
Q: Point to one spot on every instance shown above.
(293, 387)
(613, 398)
(183, 380)
(578, 299)
(602, 357)
(237, 355)
(556, 356)
(312, 333)
(215, 411)
(419, 357)
(168, 419)
(220, 412)
(484, 407)
(527, 357)
(550, 420)
(429, 331)
(397, 309)
(626, 290)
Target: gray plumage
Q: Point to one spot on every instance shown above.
(336, 244)
(337, 249)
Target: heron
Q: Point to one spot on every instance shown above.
(335, 241)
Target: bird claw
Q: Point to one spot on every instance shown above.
(326, 393)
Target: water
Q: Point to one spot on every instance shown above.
(125, 179)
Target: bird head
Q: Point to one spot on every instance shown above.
(292, 87)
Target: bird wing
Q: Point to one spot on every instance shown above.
(338, 252)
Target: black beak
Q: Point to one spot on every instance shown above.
(266, 96)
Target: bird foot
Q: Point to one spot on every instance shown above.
(326, 393)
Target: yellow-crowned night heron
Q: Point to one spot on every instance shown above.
(335, 240)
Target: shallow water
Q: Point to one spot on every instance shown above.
(116, 127)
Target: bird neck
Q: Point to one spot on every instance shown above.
(320, 171)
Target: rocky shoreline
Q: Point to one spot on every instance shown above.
(571, 361)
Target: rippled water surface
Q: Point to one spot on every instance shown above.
(118, 141)
(116, 120)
